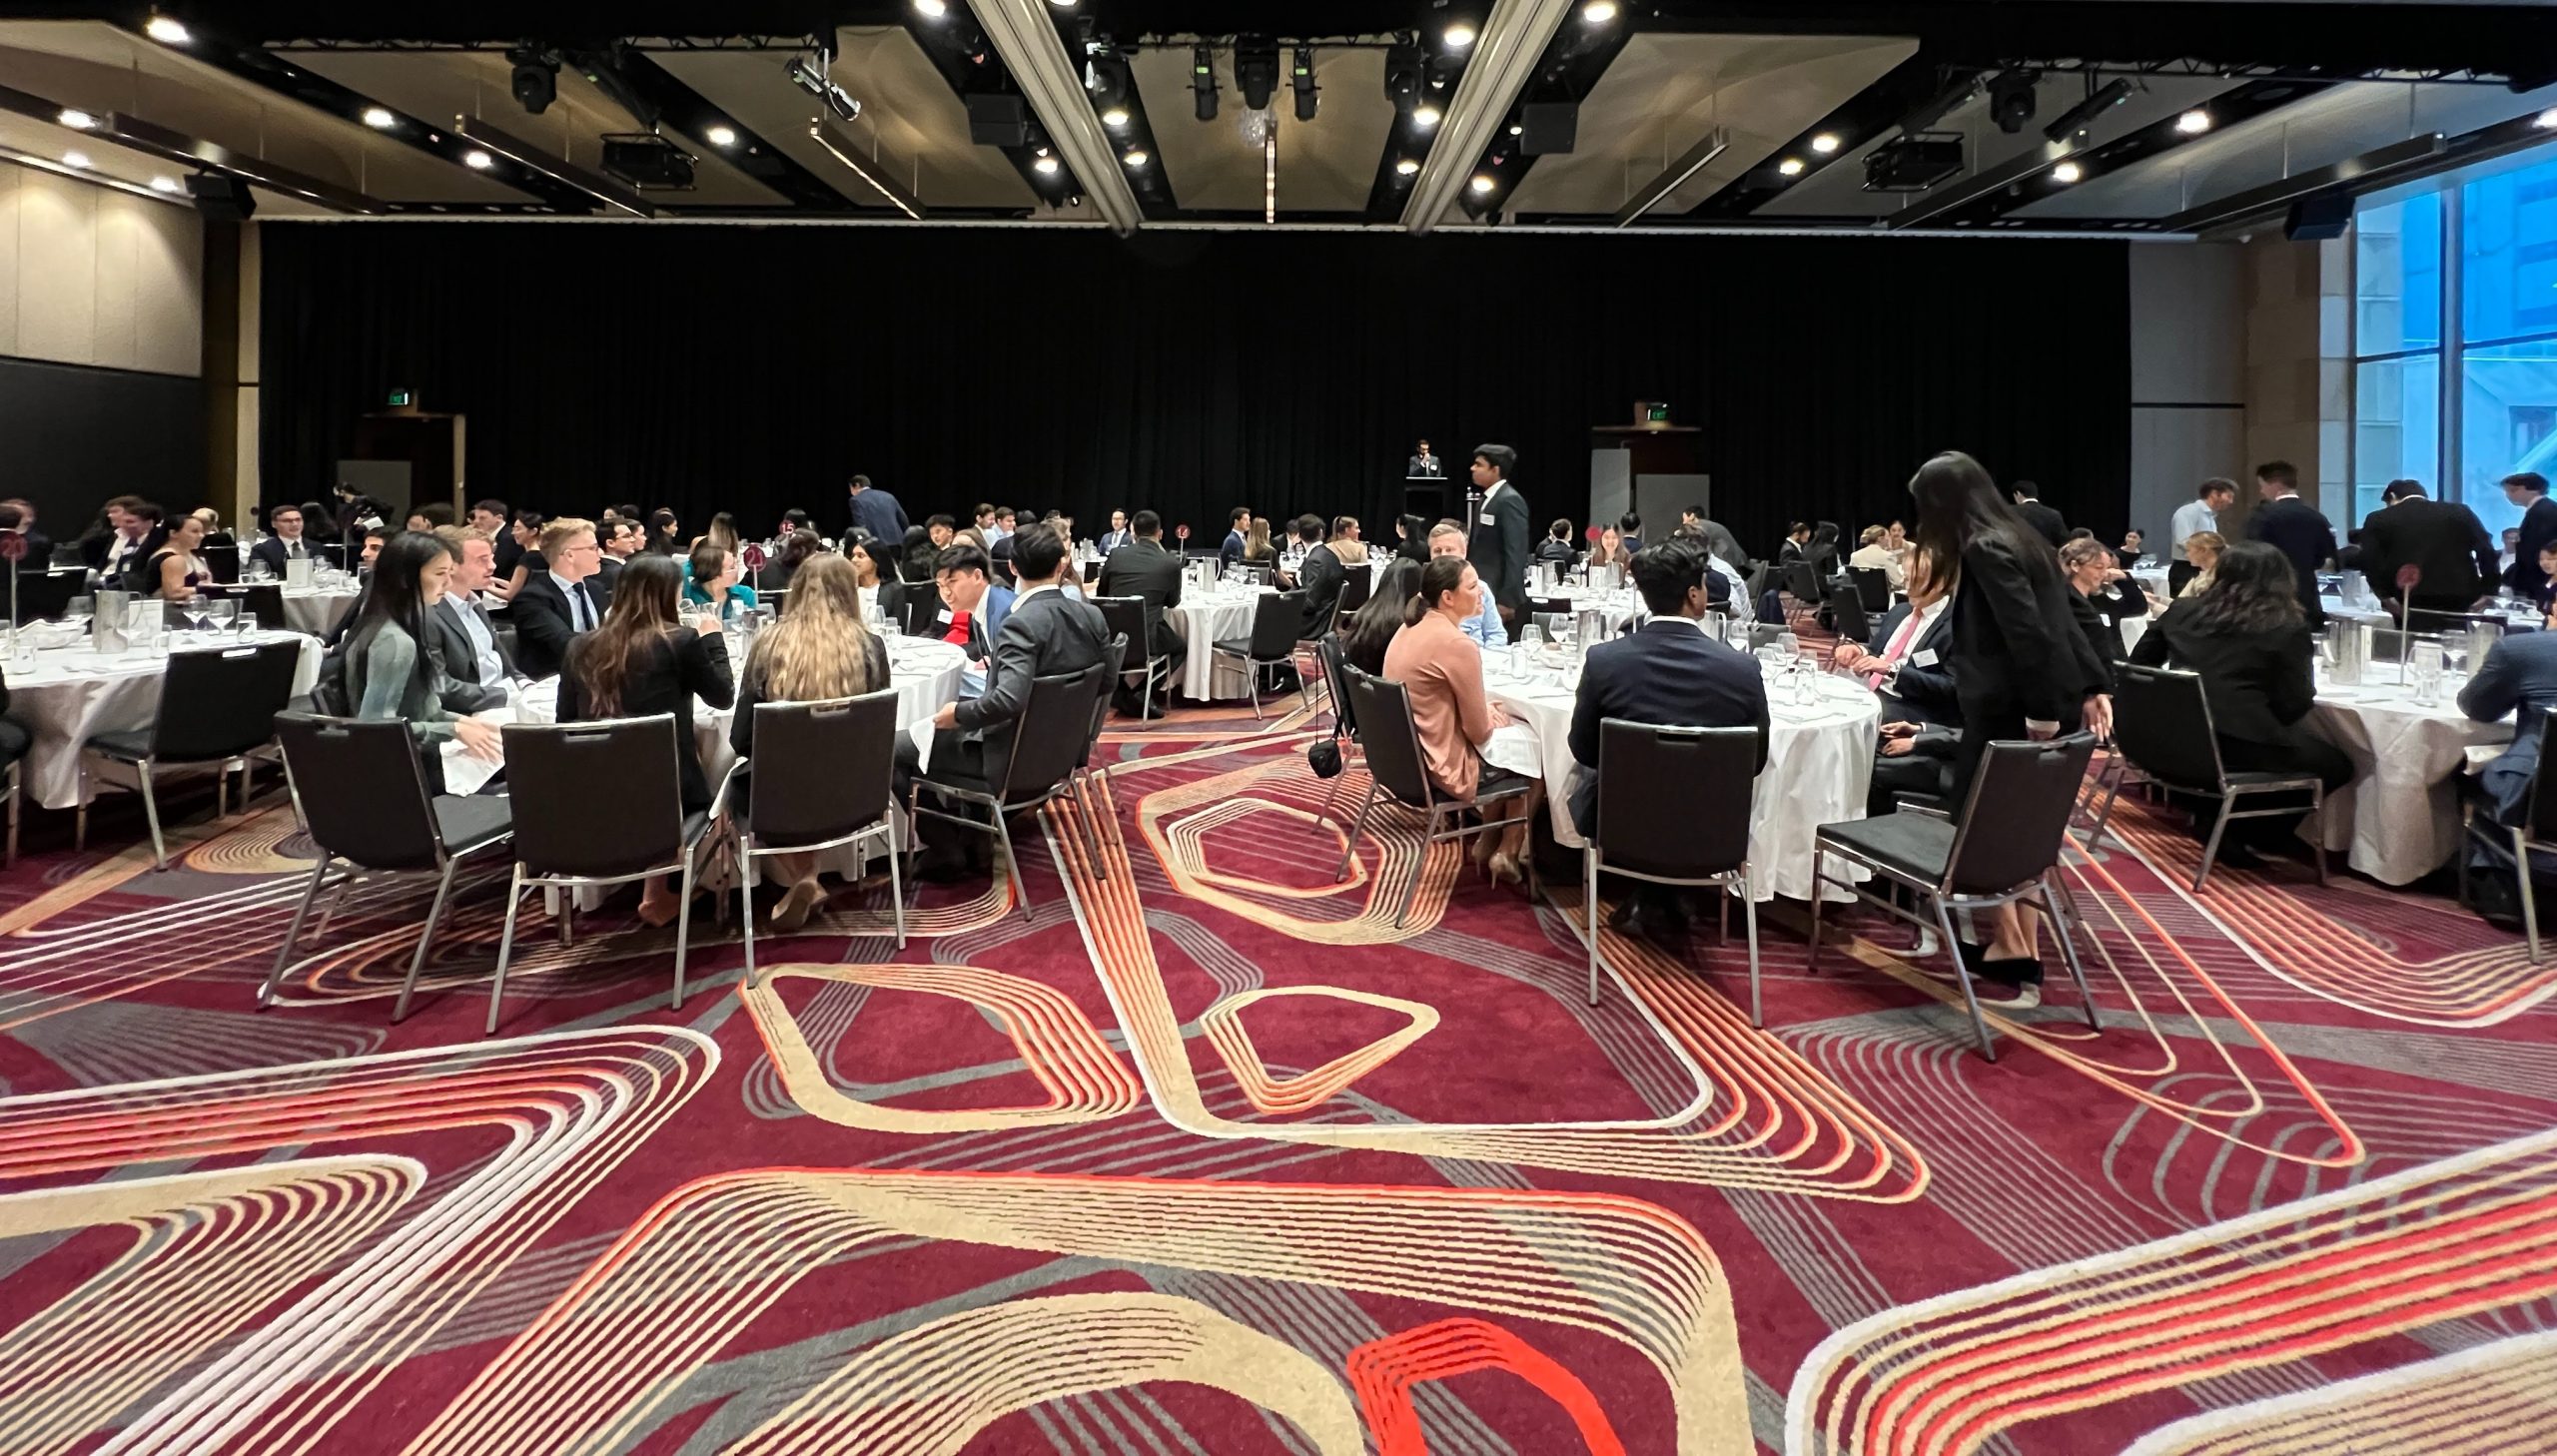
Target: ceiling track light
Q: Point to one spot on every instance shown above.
(76, 119)
(168, 30)
(1406, 166)
(2546, 121)
(1459, 35)
(1790, 167)
(1425, 115)
(720, 136)
(2080, 118)
(1202, 82)
(1301, 78)
(932, 9)
(2194, 122)
(379, 118)
(2066, 172)
(1598, 12)
(1826, 143)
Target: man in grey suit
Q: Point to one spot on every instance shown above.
(2519, 677)
(1049, 631)
(463, 638)
(1496, 538)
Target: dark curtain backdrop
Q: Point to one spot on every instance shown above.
(77, 435)
(751, 369)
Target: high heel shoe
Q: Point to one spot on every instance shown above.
(1505, 869)
(793, 909)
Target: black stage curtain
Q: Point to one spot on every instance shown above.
(78, 435)
(751, 369)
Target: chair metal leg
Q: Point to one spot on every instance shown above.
(151, 812)
(80, 811)
(896, 890)
(222, 791)
(1349, 841)
(2459, 865)
(683, 924)
(1962, 973)
(2054, 896)
(2104, 816)
(1811, 959)
(1012, 865)
(425, 937)
(2318, 818)
(1589, 913)
(2211, 850)
(292, 932)
(1749, 923)
(17, 797)
(746, 905)
(1412, 891)
(2529, 902)
(506, 947)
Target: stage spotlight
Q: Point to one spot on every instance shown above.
(2010, 99)
(76, 119)
(2066, 172)
(1790, 167)
(1481, 185)
(1402, 74)
(478, 160)
(1425, 114)
(537, 78)
(1459, 35)
(815, 81)
(1302, 77)
(1115, 117)
(1406, 166)
(1202, 82)
(932, 9)
(1255, 72)
(168, 30)
(1598, 12)
(379, 118)
(2194, 122)
(1825, 143)
(2080, 118)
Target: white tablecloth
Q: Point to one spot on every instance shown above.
(1204, 618)
(2399, 819)
(72, 695)
(316, 610)
(1820, 762)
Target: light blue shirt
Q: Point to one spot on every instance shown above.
(483, 644)
(1484, 627)
(2191, 519)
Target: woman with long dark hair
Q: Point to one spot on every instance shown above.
(1412, 539)
(662, 529)
(2248, 639)
(390, 677)
(2021, 666)
(875, 570)
(641, 660)
(917, 557)
(1441, 671)
(1372, 628)
(796, 549)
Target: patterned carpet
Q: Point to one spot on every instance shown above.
(1201, 1154)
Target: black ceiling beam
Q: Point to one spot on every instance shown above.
(678, 107)
(957, 47)
(1109, 63)
(1868, 114)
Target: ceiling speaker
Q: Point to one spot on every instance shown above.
(998, 121)
(2314, 219)
(1548, 128)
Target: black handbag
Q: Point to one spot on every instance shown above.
(1323, 756)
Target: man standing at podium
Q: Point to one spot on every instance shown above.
(1496, 538)
(1424, 463)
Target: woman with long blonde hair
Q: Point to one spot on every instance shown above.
(820, 650)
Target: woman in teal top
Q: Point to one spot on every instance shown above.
(713, 577)
(390, 676)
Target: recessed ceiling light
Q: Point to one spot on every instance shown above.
(721, 136)
(1517, 130)
(2066, 172)
(167, 184)
(1406, 166)
(2546, 121)
(1598, 12)
(167, 29)
(1426, 115)
(379, 118)
(478, 160)
(1790, 167)
(75, 158)
(1136, 156)
(1481, 184)
(1063, 4)
(1115, 117)
(2194, 122)
(1459, 35)
(1045, 166)
(76, 119)
(1825, 143)
(930, 9)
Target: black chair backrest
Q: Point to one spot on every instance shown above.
(1356, 589)
(1055, 732)
(43, 594)
(822, 769)
(220, 702)
(1275, 619)
(1128, 619)
(223, 562)
(362, 796)
(1333, 665)
(1847, 614)
(1384, 711)
(1802, 583)
(2543, 784)
(564, 827)
(1873, 587)
(921, 608)
(1262, 571)
(263, 600)
(1675, 801)
(2162, 723)
(1550, 606)
(2035, 785)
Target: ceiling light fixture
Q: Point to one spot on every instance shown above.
(1598, 12)
(1202, 82)
(75, 158)
(167, 29)
(1115, 117)
(1063, 4)
(1045, 166)
(1825, 143)
(2066, 172)
(379, 118)
(478, 160)
(1406, 166)
(720, 136)
(1426, 116)
(932, 9)
(1301, 78)
(1481, 184)
(2546, 121)
(2194, 122)
(1460, 36)
(1790, 167)
(1517, 130)
(1136, 156)
(166, 184)
(76, 119)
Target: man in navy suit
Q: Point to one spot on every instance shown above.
(2528, 492)
(1667, 673)
(2519, 676)
(876, 512)
(2294, 527)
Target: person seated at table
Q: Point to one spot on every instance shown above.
(1412, 539)
(2248, 639)
(1142, 568)
(793, 521)
(665, 534)
(2546, 598)
(2132, 544)
(2519, 676)
(820, 651)
(1046, 633)
(973, 604)
(1441, 671)
(2100, 596)
(797, 549)
(173, 572)
(1610, 550)
(1556, 549)
(876, 571)
(39, 555)
(288, 544)
(1258, 549)
(941, 531)
(1907, 664)
(918, 561)
(2202, 552)
(1447, 540)
(643, 660)
(1874, 553)
(1372, 628)
(1319, 576)
(215, 537)
(464, 635)
(393, 673)
(721, 533)
(429, 515)
(715, 583)
(554, 608)
(142, 536)
(1668, 673)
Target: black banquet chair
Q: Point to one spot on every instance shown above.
(1673, 809)
(1995, 858)
(841, 758)
(1847, 614)
(1873, 588)
(568, 835)
(217, 706)
(2162, 728)
(2538, 831)
(1051, 740)
(1275, 618)
(1355, 589)
(364, 800)
(1131, 620)
(1398, 774)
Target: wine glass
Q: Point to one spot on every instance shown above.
(221, 612)
(196, 610)
(77, 612)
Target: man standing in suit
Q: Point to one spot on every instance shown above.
(286, 544)
(1047, 632)
(876, 512)
(1498, 536)
(1116, 536)
(2528, 492)
(1668, 673)
(1319, 576)
(560, 604)
(2194, 516)
(1145, 570)
(2046, 521)
(1423, 465)
(468, 642)
(2518, 676)
(2441, 539)
(2294, 527)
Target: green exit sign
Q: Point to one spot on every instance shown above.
(402, 399)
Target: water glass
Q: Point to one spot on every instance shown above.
(2423, 667)
(77, 612)
(248, 624)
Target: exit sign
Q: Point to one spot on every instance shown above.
(402, 399)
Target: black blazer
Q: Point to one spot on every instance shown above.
(2046, 522)
(544, 623)
(1050, 633)
(1435, 467)
(664, 677)
(2258, 683)
(1319, 576)
(2538, 528)
(1142, 568)
(2017, 650)
(2100, 616)
(271, 550)
(2294, 527)
(2441, 538)
(1921, 692)
(1667, 673)
(1496, 542)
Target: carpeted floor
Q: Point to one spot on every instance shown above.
(1202, 1154)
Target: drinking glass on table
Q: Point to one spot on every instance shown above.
(248, 624)
(219, 612)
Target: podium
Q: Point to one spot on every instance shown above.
(1425, 496)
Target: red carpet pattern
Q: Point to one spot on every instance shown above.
(1195, 1152)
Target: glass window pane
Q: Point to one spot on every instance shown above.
(2507, 422)
(2396, 427)
(2397, 276)
(2508, 254)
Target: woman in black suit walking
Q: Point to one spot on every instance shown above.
(2021, 666)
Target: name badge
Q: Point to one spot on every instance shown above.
(1923, 659)
(945, 615)
(1489, 519)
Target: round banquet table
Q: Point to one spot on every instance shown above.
(1621, 605)
(316, 610)
(1207, 616)
(2398, 820)
(73, 695)
(1820, 761)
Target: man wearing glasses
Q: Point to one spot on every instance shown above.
(558, 607)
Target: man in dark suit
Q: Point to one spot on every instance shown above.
(286, 544)
(1118, 535)
(2528, 492)
(2442, 539)
(1144, 569)
(1319, 576)
(2046, 521)
(2294, 527)
(876, 512)
(1497, 538)
(1425, 464)
(1236, 537)
(2519, 676)
(466, 640)
(1049, 631)
(142, 534)
(558, 607)
(1667, 673)
(1906, 663)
